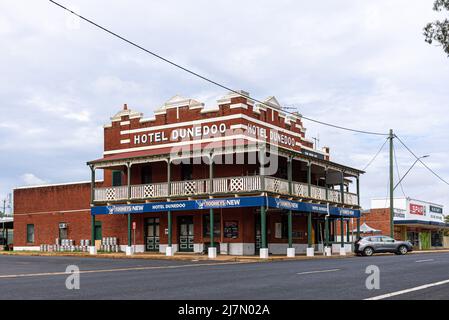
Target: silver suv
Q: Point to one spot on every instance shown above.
(367, 246)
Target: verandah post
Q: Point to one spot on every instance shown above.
(92, 249)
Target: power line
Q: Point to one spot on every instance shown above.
(375, 156)
(422, 162)
(205, 78)
(397, 171)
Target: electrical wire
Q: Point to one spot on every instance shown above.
(397, 171)
(158, 56)
(375, 156)
(422, 162)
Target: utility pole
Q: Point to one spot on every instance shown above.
(391, 186)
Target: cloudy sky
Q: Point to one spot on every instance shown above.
(362, 64)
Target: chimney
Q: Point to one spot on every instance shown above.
(125, 107)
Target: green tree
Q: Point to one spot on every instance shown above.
(438, 31)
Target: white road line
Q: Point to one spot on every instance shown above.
(397, 293)
(426, 260)
(25, 275)
(318, 271)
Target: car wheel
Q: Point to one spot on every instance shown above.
(402, 250)
(368, 251)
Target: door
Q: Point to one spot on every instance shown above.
(388, 244)
(152, 234)
(98, 233)
(186, 235)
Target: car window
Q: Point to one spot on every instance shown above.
(375, 239)
(387, 239)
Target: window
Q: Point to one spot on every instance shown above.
(206, 226)
(30, 233)
(387, 239)
(186, 172)
(146, 175)
(63, 231)
(116, 178)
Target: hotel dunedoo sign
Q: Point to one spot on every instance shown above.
(213, 132)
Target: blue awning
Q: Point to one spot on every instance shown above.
(224, 203)
(428, 223)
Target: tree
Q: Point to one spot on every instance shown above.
(438, 31)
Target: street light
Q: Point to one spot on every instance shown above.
(416, 161)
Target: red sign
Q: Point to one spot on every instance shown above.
(416, 209)
(134, 226)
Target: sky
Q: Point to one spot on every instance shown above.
(360, 64)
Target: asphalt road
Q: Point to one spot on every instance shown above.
(23, 277)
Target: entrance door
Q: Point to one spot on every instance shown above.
(152, 234)
(186, 236)
(98, 232)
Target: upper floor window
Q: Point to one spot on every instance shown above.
(146, 175)
(186, 172)
(117, 178)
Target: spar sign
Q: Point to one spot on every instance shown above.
(417, 209)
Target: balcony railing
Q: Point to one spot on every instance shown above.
(231, 185)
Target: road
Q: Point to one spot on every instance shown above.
(32, 277)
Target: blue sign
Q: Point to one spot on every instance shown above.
(225, 203)
(187, 205)
(312, 207)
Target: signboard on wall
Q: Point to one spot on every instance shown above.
(417, 209)
(242, 202)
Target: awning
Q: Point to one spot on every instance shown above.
(225, 203)
(364, 228)
(421, 223)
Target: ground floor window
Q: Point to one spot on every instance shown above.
(206, 226)
(437, 239)
(30, 233)
(63, 231)
(413, 237)
(231, 229)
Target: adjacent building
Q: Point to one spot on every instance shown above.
(240, 178)
(420, 222)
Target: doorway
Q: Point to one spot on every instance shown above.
(152, 234)
(185, 232)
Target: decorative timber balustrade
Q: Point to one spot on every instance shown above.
(229, 185)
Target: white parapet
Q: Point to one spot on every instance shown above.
(92, 250)
(129, 250)
(327, 251)
(342, 251)
(169, 252)
(310, 252)
(291, 252)
(212, 252)
(264, 253)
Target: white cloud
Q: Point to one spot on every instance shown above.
(30, 179)
(360, 64)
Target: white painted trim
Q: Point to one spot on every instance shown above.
(238, 106)
(125, 123)
(54, 185)
(239, 126)
(30, 248)
(126, 141)
(184, 143)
